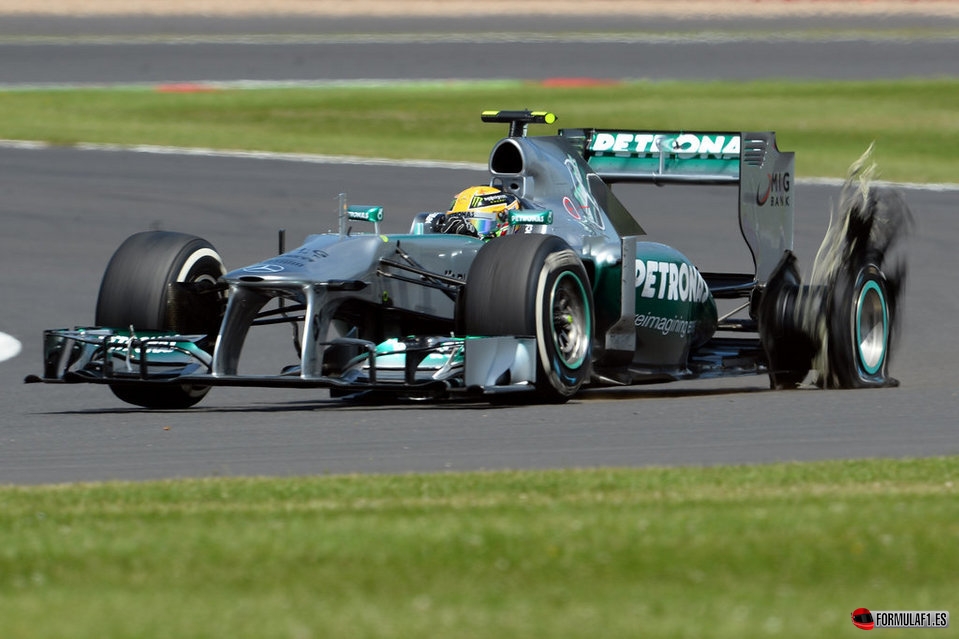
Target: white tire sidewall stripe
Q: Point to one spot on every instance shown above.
(195, 257)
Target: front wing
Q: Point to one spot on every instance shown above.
(416, 366)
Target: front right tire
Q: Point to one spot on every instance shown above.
(534, 285)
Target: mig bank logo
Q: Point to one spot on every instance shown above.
(776, 191)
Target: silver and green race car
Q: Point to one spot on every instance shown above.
(571, 295)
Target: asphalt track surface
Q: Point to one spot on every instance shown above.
(102, 50)
(64, 211)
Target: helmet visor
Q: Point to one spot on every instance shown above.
(483, 225)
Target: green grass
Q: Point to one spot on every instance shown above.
(786, 550)
(914, 123)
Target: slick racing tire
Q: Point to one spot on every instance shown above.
(534, 285)
(859, 329)
(788, 348)
(134, 292)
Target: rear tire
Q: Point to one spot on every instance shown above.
(135, 291)
(859, 330)
(534, 285)
(789, 350)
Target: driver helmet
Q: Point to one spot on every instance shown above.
(486, 208)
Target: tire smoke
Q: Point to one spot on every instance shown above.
(866, 229)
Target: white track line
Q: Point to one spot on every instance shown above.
(354, 160)
(364, 83)
(310, 158)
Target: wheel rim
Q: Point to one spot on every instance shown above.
(571, 320)
(872, 327)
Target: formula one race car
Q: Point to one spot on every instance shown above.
(535, 285)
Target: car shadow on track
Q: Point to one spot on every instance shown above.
(629, 393)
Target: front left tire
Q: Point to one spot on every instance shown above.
(135, 291)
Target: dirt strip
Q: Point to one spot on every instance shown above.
(451, 8)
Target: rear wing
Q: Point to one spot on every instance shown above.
(749, 160)
(661, 157)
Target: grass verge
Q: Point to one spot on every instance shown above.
(914, 123)
(783, 550)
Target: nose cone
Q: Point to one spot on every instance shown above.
(276, 269)
(322, 258)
